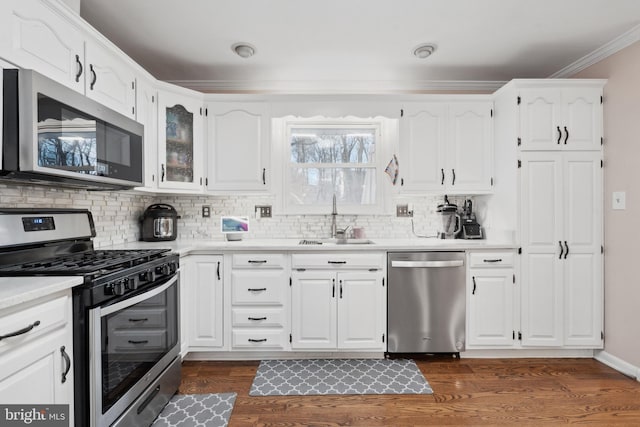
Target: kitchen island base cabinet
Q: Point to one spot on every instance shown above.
(36, 366)
(334, 309)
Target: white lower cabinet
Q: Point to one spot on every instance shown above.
(339, 306)
(259, 302)
(491, 314)
(36, 366)
(203, 282)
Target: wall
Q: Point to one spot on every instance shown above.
(621, 173)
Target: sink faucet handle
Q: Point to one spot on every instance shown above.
(343, 232)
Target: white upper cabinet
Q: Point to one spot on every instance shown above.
(561, 118)
(237, 146)
(33, 35)
(180, 141)
(446, 147)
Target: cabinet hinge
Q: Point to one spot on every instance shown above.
(519, 141)
(492, 112)
(519, 100)
(519, 164)
(382, 337)
(519, 251)
(401, 113)
(290, 338)
(519, 336)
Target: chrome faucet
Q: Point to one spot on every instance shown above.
(334, 213)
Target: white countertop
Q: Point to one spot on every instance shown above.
(17, 290)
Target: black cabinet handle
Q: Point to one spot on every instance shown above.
(67, 362)
(493, 260)
(256, 289)
(559, 134)
(473, 292)
(442, 180)
(95, 76)
(340, 289)
(80, 69)
(255, 340)
(333, 291)
(264, 176)
(566, 135)
(561, 249)
(567, 249)
(257, 261)
(162, 175)
(141, 319)
(218, 270)
(453, 180)
(256, 318)
(337, 262)
(20, 331)
(401, 182)
(138, 341)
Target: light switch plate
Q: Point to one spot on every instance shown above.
(403, 211)
(263, 211)
(619, 201)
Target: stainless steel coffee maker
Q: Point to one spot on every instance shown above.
(450, 221)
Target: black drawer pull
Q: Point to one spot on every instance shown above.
(142, 319)
(257, 318)
(255, 340)
(138, 341)
(257, 261)
(337, 262)
(493, 260)
(21, 331)
(256, 289)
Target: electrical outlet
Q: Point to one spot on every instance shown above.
(206, 211)
(263, 211)
(403, 211)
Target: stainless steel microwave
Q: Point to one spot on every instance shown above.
(52, 134)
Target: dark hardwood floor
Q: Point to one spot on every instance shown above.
(466, 392)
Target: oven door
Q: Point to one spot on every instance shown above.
(131, 343)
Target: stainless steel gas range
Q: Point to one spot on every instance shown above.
(126, 322)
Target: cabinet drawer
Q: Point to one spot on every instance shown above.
(138, 341)
(338, 261)
(259, 338)
(136, 318)
(258, 261)
(258, 317)
(50, 315)
(258, 287)
(491, 259)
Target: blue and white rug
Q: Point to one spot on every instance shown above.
(338, 376)
(197, 410)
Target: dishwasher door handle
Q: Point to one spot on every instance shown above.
(427, 264)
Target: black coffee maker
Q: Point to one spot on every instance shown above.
(470, 227)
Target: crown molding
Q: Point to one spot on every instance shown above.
(338, 86)
(604, 51)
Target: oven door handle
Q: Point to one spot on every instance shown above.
(138, 298)
(427, 264)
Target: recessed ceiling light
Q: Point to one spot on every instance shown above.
(244, 50)
(424, 50)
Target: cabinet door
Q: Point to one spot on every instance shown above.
(583, 273)
(541, 231)
(238, 146)
(313, 305)
(582, 112)
(490, 313)
(422, 147)
(204, 278)
(361, 311)
(541, 119)
(469, 163)
(180, 147)
(109, 80)
(147, 114)
(34, 36)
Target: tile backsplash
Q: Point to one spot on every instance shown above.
(116, 214)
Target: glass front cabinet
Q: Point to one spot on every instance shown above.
(180, 142)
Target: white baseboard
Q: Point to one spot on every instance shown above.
(618, 364)
(520, 353)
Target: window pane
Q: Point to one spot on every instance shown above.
(352, 186)
(332, 145)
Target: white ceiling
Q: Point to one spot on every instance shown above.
(359, 45)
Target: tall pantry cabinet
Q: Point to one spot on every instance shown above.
(558, 132)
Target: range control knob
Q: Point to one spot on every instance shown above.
(132, 283)
(163, 269)
(147, 276)
(115, 288)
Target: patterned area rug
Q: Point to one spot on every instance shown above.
(197, 410)
(338, 376)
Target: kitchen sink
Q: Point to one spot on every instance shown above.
(336, 242)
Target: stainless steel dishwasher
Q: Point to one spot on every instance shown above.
(426, 302)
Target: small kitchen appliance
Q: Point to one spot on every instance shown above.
(159, 223)
(450, 221)
(470, 227)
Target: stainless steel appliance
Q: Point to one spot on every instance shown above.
(159, 223)
(126, 325)
(54, 135)
(426, 302)
(450, 221)
(470, 227)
